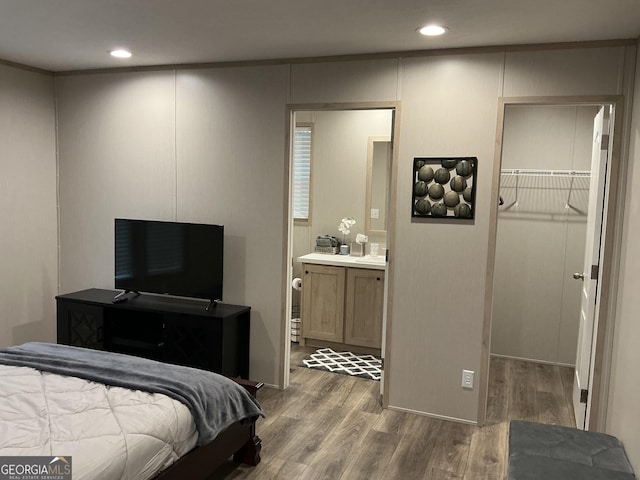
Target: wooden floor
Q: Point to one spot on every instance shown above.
(331, 426)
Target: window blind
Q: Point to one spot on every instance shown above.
(302, 172)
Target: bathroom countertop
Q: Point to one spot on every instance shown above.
(377, 263)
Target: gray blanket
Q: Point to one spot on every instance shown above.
(215, 401)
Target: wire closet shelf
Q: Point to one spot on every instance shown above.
(572, 175)
(533, 172)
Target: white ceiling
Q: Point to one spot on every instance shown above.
(61, 35)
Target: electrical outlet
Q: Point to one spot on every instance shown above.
(467, 378)
(375, 213)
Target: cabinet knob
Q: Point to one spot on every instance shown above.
(306, 272)
(378, 278)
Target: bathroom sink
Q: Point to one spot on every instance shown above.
(377, 263)
(370, 259)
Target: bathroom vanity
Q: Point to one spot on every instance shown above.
(343, 302)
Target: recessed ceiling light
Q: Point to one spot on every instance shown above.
(120, 53)
(433, 30)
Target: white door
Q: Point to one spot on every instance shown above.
(589, 274)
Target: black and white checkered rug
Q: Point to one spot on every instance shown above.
(347, 363)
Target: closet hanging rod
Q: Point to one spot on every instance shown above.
(533, 172)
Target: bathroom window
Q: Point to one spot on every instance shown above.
(302, 155)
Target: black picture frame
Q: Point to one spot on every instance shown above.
(444, 188)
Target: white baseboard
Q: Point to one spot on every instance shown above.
(433, 415)
(533, 360)
(271, 385)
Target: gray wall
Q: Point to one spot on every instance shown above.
(195, 146)
(28, 239)
(116, 143)
(152, 145)
(623, 419)
(540, 243)
(449, 108)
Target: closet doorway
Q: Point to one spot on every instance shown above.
(351, 175)
(556, 184)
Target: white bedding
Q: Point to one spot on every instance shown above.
(110, 432)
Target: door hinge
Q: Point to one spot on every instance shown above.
(584, 394)
(595, 270)
(604, 142)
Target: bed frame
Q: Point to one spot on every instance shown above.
(239, 440)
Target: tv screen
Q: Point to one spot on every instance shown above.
(183, 259)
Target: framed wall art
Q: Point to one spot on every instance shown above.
(444, 187)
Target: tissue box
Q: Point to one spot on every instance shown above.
(357, 249)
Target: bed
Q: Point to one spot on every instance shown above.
(122, 417)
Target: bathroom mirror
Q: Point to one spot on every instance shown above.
(377, 192)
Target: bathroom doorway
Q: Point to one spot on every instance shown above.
(348, 178)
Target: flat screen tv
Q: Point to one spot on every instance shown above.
(183, 259)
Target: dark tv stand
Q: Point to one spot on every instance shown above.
(169, 329)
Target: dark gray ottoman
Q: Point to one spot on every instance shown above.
(551, 452)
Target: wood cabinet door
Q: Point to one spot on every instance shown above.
(323, 302)
(364, 307)
(192, 342)
(80, 325)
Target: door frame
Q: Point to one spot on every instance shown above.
(288, 231)
(601, 350)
